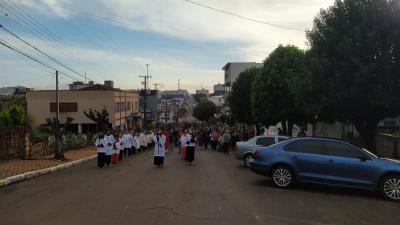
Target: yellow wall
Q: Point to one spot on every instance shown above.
(39, 105)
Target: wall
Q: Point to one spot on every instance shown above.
(39, 104)
(125, 97)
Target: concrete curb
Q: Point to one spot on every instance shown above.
(32, 174)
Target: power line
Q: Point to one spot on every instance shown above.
(12, 48)
(53, 59)
(41, 30)
(243, 17)
(99, 32)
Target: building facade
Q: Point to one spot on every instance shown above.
(232, 71)
(219, 89)
(202, 91)
(153, 99)
(122, 106)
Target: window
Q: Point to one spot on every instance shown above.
(64, 107)
(265, 141)
(281, 139)
(305, 146)
(334, 148)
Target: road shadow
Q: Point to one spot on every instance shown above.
(320, 189)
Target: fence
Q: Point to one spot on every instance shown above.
(69, 142)
(12, 143)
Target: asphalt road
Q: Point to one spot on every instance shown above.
(215, 190)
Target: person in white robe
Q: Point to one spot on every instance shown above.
(100, 150)
(190, 147)
(143, 141)
(109, 145)
(127, 142)
(136, 142)
(159, 149)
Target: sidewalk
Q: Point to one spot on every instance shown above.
(17, 166)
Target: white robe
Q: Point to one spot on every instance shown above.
(188, 138)
(136, 142)
(159, 147)
(142, 139)
(119, 146)
(100, 141)
(109, 144)
(127, 140)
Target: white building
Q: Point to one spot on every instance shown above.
(219, 89)
(232, 71)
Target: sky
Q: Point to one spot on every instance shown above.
(115, 39)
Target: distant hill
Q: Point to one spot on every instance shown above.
(12, 90)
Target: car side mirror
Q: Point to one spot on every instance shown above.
(363, 158)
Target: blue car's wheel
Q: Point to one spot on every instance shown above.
(390, 187)
(247, 159)
(282, 177)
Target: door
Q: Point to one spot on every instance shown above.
(348, 165)
(308, 160)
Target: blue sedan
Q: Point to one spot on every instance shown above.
(327, 161)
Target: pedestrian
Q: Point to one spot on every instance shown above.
(226, 139)
(280, 131)
(143, 141)
(117, 149)
(149, 139)
(182, 140)
(136, 142)
(159, 149)
(127, 140)
(214, 139)
(100, 150)
(190, 147)
(109, 140)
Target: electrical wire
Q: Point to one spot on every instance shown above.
(12, 48)
(47, 34)
(243, 17)
(37, 49)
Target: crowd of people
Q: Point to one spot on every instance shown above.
(113, 147)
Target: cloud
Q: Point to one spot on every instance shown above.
(242, 40)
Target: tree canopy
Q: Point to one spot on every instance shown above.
(281, 91)
(101, 118)
(239, 99)
(204, 110)
(355, 55)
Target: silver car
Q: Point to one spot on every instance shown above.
(244, 150)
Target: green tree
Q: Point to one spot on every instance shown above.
(102, 119)
(239, 99)
(281, 91)
(204, 110)
(355, 50)
(12, 115)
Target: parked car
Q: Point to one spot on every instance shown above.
(327, 161)
(244, 150)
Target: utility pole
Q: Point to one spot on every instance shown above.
(179, 84)
(156, 85)
(57, 98)
(146, 80)
(166, 109)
